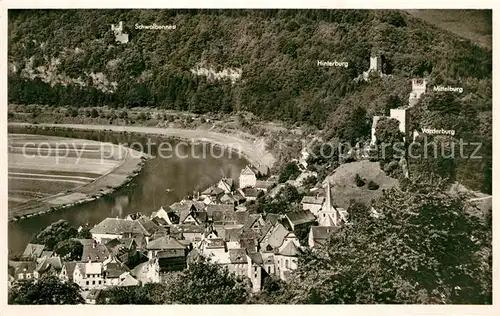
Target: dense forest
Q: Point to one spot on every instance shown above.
(71, 58)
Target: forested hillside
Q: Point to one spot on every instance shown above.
(262, 61)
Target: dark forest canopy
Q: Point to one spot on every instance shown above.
(54, 54)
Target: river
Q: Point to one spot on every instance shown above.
(181, 173)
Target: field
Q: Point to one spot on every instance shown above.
(50, 172)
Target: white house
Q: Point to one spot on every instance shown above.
(247, 178)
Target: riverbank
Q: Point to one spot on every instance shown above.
(255, 152)
(35, 178)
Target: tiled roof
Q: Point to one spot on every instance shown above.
(259, 184)
(25, 267)
(148, 225)
(191, 228)
(256, 257)
(33, 251)
(47, 263)
(224, 217)
(118, 226)
(95, 252)
(164, 243)
(237, 256)
(247, 171)
(313, 200)
(115, 269)
(213, 190)
(232, 234)
(70, 267)
(250, 192)
(290, 250)
(129, 281)
(272, 218)
(241, 217)
(322, 232)
(216, 243)
(218, 207)
(278, 236)
(300, 217)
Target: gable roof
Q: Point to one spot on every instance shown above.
(219, 207)
(95, 252)
(232, 234)
(300, 217)
(252, 219)
(241, 217)
(228, 199)
(250, 192)
(322, 232)
(164, 243)
(277, 236)
(290, 249)
(313, 200)
(47, 263)
(261, 184)
(238, 255)
(117, 226)
(256, 257)
(224, 217)
(213, 190)
(115, 269)
(25, 267)
(148, 225)
(129, 281)
(272, 218)
(70, 267)
(247, 171)
(198, 229)
(33, 251)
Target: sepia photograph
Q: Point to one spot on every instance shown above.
(249, 156)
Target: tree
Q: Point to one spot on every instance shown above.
(359, 181)
(423, 247)
(69, 249)
(54, 233)
(372, 185)
(289, 171)
(47, 290)
(94, 113)
(206, 283)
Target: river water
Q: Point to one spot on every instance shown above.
(195, 167)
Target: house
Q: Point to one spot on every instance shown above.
(299, 218)
(238, 263)
(32, 252)
(115, 228)
(48, 266)
(190, 232)
(67, 271)
(318, 235)
(171, 254)
(254, 270)
(228, 198)
(312, 203)
(274, 238)
(247, 178)
(249, 240)
(254, 222)
(218, 208)
(133, 216)
(124, 249)
(25, 270)
(114, 272)
(169, 217)
(129, 280)
(148, 225)
(286, 259)
(276, 190)
(147, 272)
(226, 217)
(189, 214)
(94, 251)
(92, 296)
(89, 275)
(250, 194)
(226, 185)
(264, 186)
(213, 193)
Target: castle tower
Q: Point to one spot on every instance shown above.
(418, 87)
(402, 115)
(375, 63)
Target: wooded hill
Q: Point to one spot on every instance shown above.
(71, 58)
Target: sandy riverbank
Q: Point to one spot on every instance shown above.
(107, 176)
(255, 152)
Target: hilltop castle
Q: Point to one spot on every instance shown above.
(119, 35)
(402, 114)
